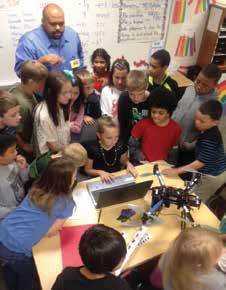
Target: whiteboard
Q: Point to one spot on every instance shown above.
(123, 27)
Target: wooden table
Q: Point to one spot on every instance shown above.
(47, 253)
(181, 80)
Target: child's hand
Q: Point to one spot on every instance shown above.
(21, 162)
(132, 169)
(186, 146)
(106, 176)
(170, 172)
(88, 120)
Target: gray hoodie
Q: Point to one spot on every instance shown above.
(12, 180)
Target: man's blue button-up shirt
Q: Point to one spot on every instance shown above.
(35, 44)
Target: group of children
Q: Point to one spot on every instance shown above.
(122, 118)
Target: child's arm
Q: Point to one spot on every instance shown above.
(196, 165)
(104, 176)
(124, 160)
(76, 120)
(23, 168)
(58, 224)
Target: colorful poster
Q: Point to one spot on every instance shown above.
(186, 45)
(179, 11)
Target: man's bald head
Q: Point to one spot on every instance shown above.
(53, 20)
(52, 10)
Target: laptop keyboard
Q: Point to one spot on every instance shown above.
(117, 182)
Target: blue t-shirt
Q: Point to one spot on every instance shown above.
(26, 226)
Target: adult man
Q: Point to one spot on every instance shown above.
(53, 44)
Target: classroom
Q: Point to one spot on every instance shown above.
(112, 145)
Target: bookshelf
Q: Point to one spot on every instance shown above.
(213, 45)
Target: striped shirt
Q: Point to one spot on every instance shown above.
(9, 130)
(210, 151)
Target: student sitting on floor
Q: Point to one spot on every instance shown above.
(133, 105)
(13, 175)
(153, 137)
(41, 214)
(210, 156)
(102, 250)
(202, 91)
(191, 262)
(9, 113)
(158, 65)
(107, 154)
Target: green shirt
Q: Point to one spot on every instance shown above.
(27, 105)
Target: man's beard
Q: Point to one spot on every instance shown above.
(56, 35)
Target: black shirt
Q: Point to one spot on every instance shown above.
(92, 106)
(107, 160)
(72, 279)
(169, 84)
(129, 114)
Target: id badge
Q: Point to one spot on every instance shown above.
(75, 63)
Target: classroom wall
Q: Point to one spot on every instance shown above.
(193, 23)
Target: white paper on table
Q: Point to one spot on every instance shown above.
(84, 205)
(214, 19)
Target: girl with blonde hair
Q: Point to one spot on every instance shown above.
(190, 262)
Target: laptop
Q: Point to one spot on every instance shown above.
(122, 189)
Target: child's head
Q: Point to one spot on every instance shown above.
(87, 80)
(194, 252)
(159, 63)
(208, 115)
(207, 79)
(7, 149)
(107, 132)
(77, 153)
(162, 105)
(34, 74)
(57, 93)
(55, 182)
(101, 61)
(9, 110)
(118, 73)
(77, 97)
(102, 249)
(137, 85)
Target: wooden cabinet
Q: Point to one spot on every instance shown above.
(213, 45)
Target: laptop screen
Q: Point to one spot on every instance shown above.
(128, 192)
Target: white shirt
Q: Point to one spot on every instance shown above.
(109, 101)
(46, 131)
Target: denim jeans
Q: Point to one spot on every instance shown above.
(18, 269)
